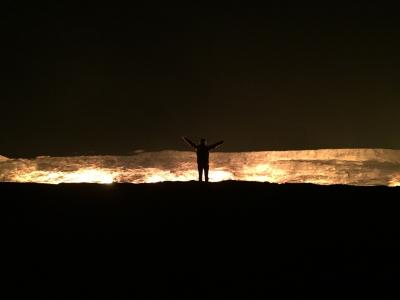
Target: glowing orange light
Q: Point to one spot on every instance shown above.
(330, 166)
(84, 175)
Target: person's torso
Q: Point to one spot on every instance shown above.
(202, 153)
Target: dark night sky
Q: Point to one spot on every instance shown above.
(109, 79)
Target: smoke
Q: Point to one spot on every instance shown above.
(328, 166)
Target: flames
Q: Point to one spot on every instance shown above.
(395, 181)
(152, 175)
(82, 175)
(331, 166)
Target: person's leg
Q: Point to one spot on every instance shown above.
(200, 169)
(206, 172)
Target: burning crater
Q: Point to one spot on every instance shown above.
(327, 166)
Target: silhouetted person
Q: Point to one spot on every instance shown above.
(202, 151)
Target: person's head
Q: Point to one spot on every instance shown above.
(203, 141)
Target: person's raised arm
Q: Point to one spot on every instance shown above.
(189, 142)
(213, 146)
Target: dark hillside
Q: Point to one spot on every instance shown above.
(211, 240)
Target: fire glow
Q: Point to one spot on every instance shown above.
(328, 166)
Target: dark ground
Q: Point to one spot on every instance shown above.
(188, 239)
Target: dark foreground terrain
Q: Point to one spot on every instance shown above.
(218, 240)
